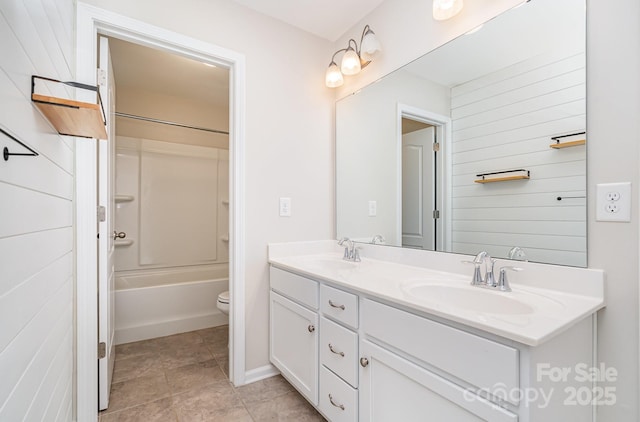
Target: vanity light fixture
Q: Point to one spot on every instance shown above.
(354, 58)
(446, 9)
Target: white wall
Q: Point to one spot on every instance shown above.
(505, 121)
(289, 149)
(613, 103)
(36, 234)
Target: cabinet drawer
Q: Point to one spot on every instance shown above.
(338, 401)
(339, 305)
(339, 350)
(476, 360)
(298, 288)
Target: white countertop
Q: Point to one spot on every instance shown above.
(529, 314)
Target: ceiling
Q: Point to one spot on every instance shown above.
(328, 19)
(144, 68)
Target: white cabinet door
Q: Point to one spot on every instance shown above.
(394, 389)
(294, 344)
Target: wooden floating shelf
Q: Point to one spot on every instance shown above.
(503, 176)
(560, 145)
(70, 117)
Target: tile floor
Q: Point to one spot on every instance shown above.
(184, 378)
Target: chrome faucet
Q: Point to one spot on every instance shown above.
(518, 254)
(350, 251)
(489, 279)
(378, 239)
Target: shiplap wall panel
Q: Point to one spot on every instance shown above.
(559, 124)
(525, 214)
(36, 228)
(19, 305)
(43, 248)
(51, 391)
(518, 75)
(31, 211)
(37, 369)
(505, 121)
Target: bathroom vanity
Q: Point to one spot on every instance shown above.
(399, 338)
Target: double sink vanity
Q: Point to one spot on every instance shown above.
(403, 335)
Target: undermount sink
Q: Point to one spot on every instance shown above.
(469, 298)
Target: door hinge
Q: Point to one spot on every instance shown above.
(102, 77)
(436, 214)
(102, 350)
(436, 146)
(102, 213)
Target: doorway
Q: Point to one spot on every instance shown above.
(169, 183)
(91, 22)
(423, 184)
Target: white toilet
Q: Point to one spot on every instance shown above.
(223, 302)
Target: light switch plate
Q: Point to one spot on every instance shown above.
(373, 208)
(613, 202)
(285, 207)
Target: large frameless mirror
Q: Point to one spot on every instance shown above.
(478, 145)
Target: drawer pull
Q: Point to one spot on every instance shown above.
(333, 305)
(339, 406)
(364, 362)
(333, 351)
(311, 328)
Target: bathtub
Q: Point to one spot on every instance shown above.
(161, 302)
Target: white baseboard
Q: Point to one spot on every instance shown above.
(261, 373)
(167, 328)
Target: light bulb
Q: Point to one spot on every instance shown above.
(370, 45)
(350, 62)
(333, 77)
(445, 9)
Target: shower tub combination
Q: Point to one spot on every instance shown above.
(156, 303)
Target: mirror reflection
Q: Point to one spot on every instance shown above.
(478, 145)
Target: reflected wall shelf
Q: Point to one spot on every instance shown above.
(560, 145)
(70, 117)
(573, 143)
(124, 198)
(503, 176)
(127, 242)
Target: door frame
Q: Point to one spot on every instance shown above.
(442, 124)
(90, 22)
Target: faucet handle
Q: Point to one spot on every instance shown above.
(503, 282)
(356, 254)
(476, 280)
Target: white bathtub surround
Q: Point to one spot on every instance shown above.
(546, 299)
(161, 302)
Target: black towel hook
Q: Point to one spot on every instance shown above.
(5, 152)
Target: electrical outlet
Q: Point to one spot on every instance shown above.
(613, 196)
(613, 202)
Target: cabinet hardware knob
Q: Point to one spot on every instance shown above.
(120, 235)
(311, 328)
(339, 406)
(333, 351)
(364, 362)
(333, 305)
